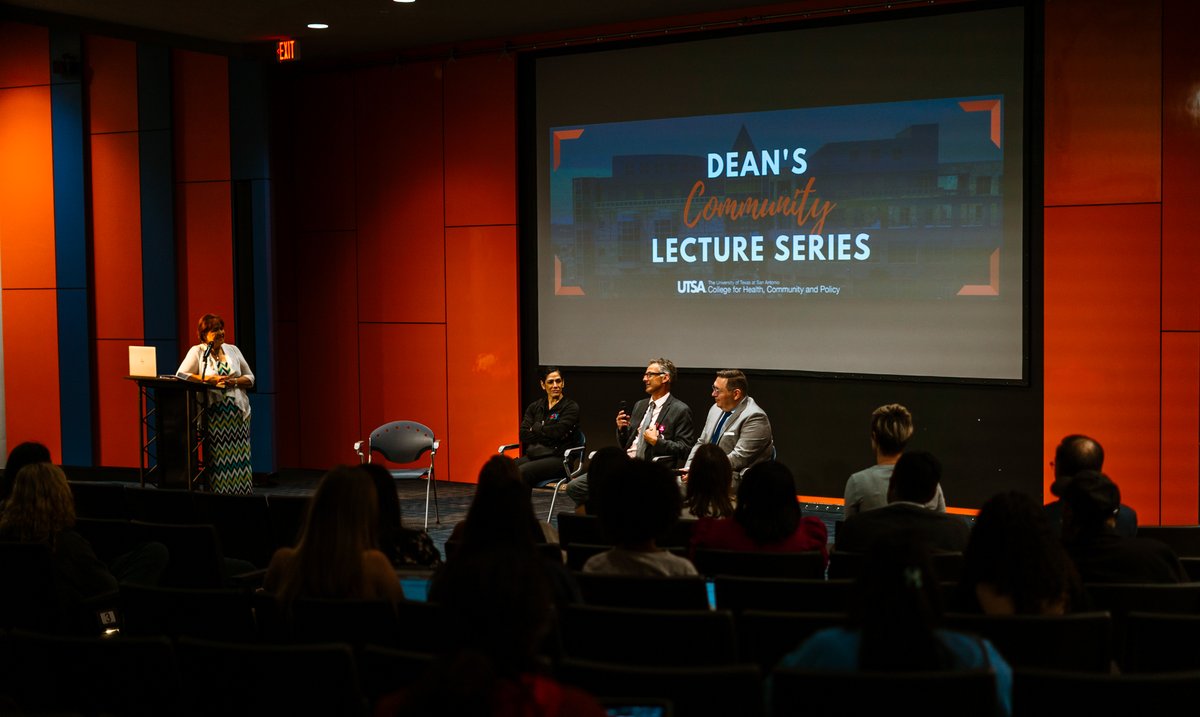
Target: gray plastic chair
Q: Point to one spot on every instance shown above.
(572, 462)
(405, 442)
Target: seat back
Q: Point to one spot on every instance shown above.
(1040, 692)
(685, 593)
(649, 637)
(243, 523)
(356, 622)
(1122, 598)
(195, 553)
(576, 528)
(287, 518)
(161, 505)
(580, 553)
(402, 441)
(385, 670)
(846, 565)
(1081, 641)
(28, 598)
(855, 692)
(739, 593)
(99, 499)
(805, 565)
(1161, 643)
(1184, 540)
(229, 679)
(214, 614)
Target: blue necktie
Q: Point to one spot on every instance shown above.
(716, 435)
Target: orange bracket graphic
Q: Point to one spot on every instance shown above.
(560, 135)
(559, 289)
(992, 106)
(992, 288)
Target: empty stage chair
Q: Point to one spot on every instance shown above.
(572, 463)
(805, 565)
(405, 442)
(1082, 641)
(692, 691)
(648, 637)
(663, 593)
(827, 693)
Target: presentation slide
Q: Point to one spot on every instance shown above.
(876, 229)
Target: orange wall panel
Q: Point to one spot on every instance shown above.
(326, 355)
(481, 141)
(201, 116)
(1103, 102)
(118, 428)
(117, 236)
(401, 216)
(24, 55)
(323, 156)
(1102, 340)
(31, 381)
(403, 368)
(481, 339)
(205, 230)
(1181, 166)
(26, 190)
(1180, 428)
(112, 84)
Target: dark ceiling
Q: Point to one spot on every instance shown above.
(369, 27)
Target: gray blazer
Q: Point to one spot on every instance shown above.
(745, 437)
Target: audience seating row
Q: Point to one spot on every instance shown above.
(250, 527)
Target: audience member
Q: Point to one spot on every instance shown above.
(637, 505)
(19, 457)
(497, 610)
(914, 482)
(891, 429)
(501, 509)
(1090, 505)
(41, 509)
(338, 553)
(767, 517)
(709, 484)
(603, 464)
(1077, 453)
(894, 626)
(549, 426)
(404, 547)
(1014, 564)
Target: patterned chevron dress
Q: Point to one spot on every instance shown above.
(228, 444)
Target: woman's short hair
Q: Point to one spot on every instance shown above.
(209, 322)
(891, 428)
(545, 371)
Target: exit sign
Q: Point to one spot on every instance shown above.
(287, 50)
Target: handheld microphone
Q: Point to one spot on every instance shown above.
(623, 407)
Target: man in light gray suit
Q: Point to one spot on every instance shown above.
(736, 424)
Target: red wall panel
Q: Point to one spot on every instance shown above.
(118, 430)
(481, 339)
(1181, 166)
(205, 231)
(26, 189)
(481, 141)
(326, 355)
(323, 154)
(24, 55)
(398, 157)
(1103, 102)
(404, 379)
(116, 237)
(1102, 340)
(112, 84)
(1180, 428)
(31, 385)
(201, 116)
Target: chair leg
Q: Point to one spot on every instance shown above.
(427, 484)
(550, 513)
(436, 514)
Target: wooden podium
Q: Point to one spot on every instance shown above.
(173, 428)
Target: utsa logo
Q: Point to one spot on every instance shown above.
(687, 286)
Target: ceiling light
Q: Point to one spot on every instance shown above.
(318, 26)
(404, 1)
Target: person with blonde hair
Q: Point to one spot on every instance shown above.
(891, 429)
(338, 553)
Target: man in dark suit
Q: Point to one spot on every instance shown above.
(660, 426)
(914, 482)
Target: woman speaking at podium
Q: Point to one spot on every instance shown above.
(222, 366)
